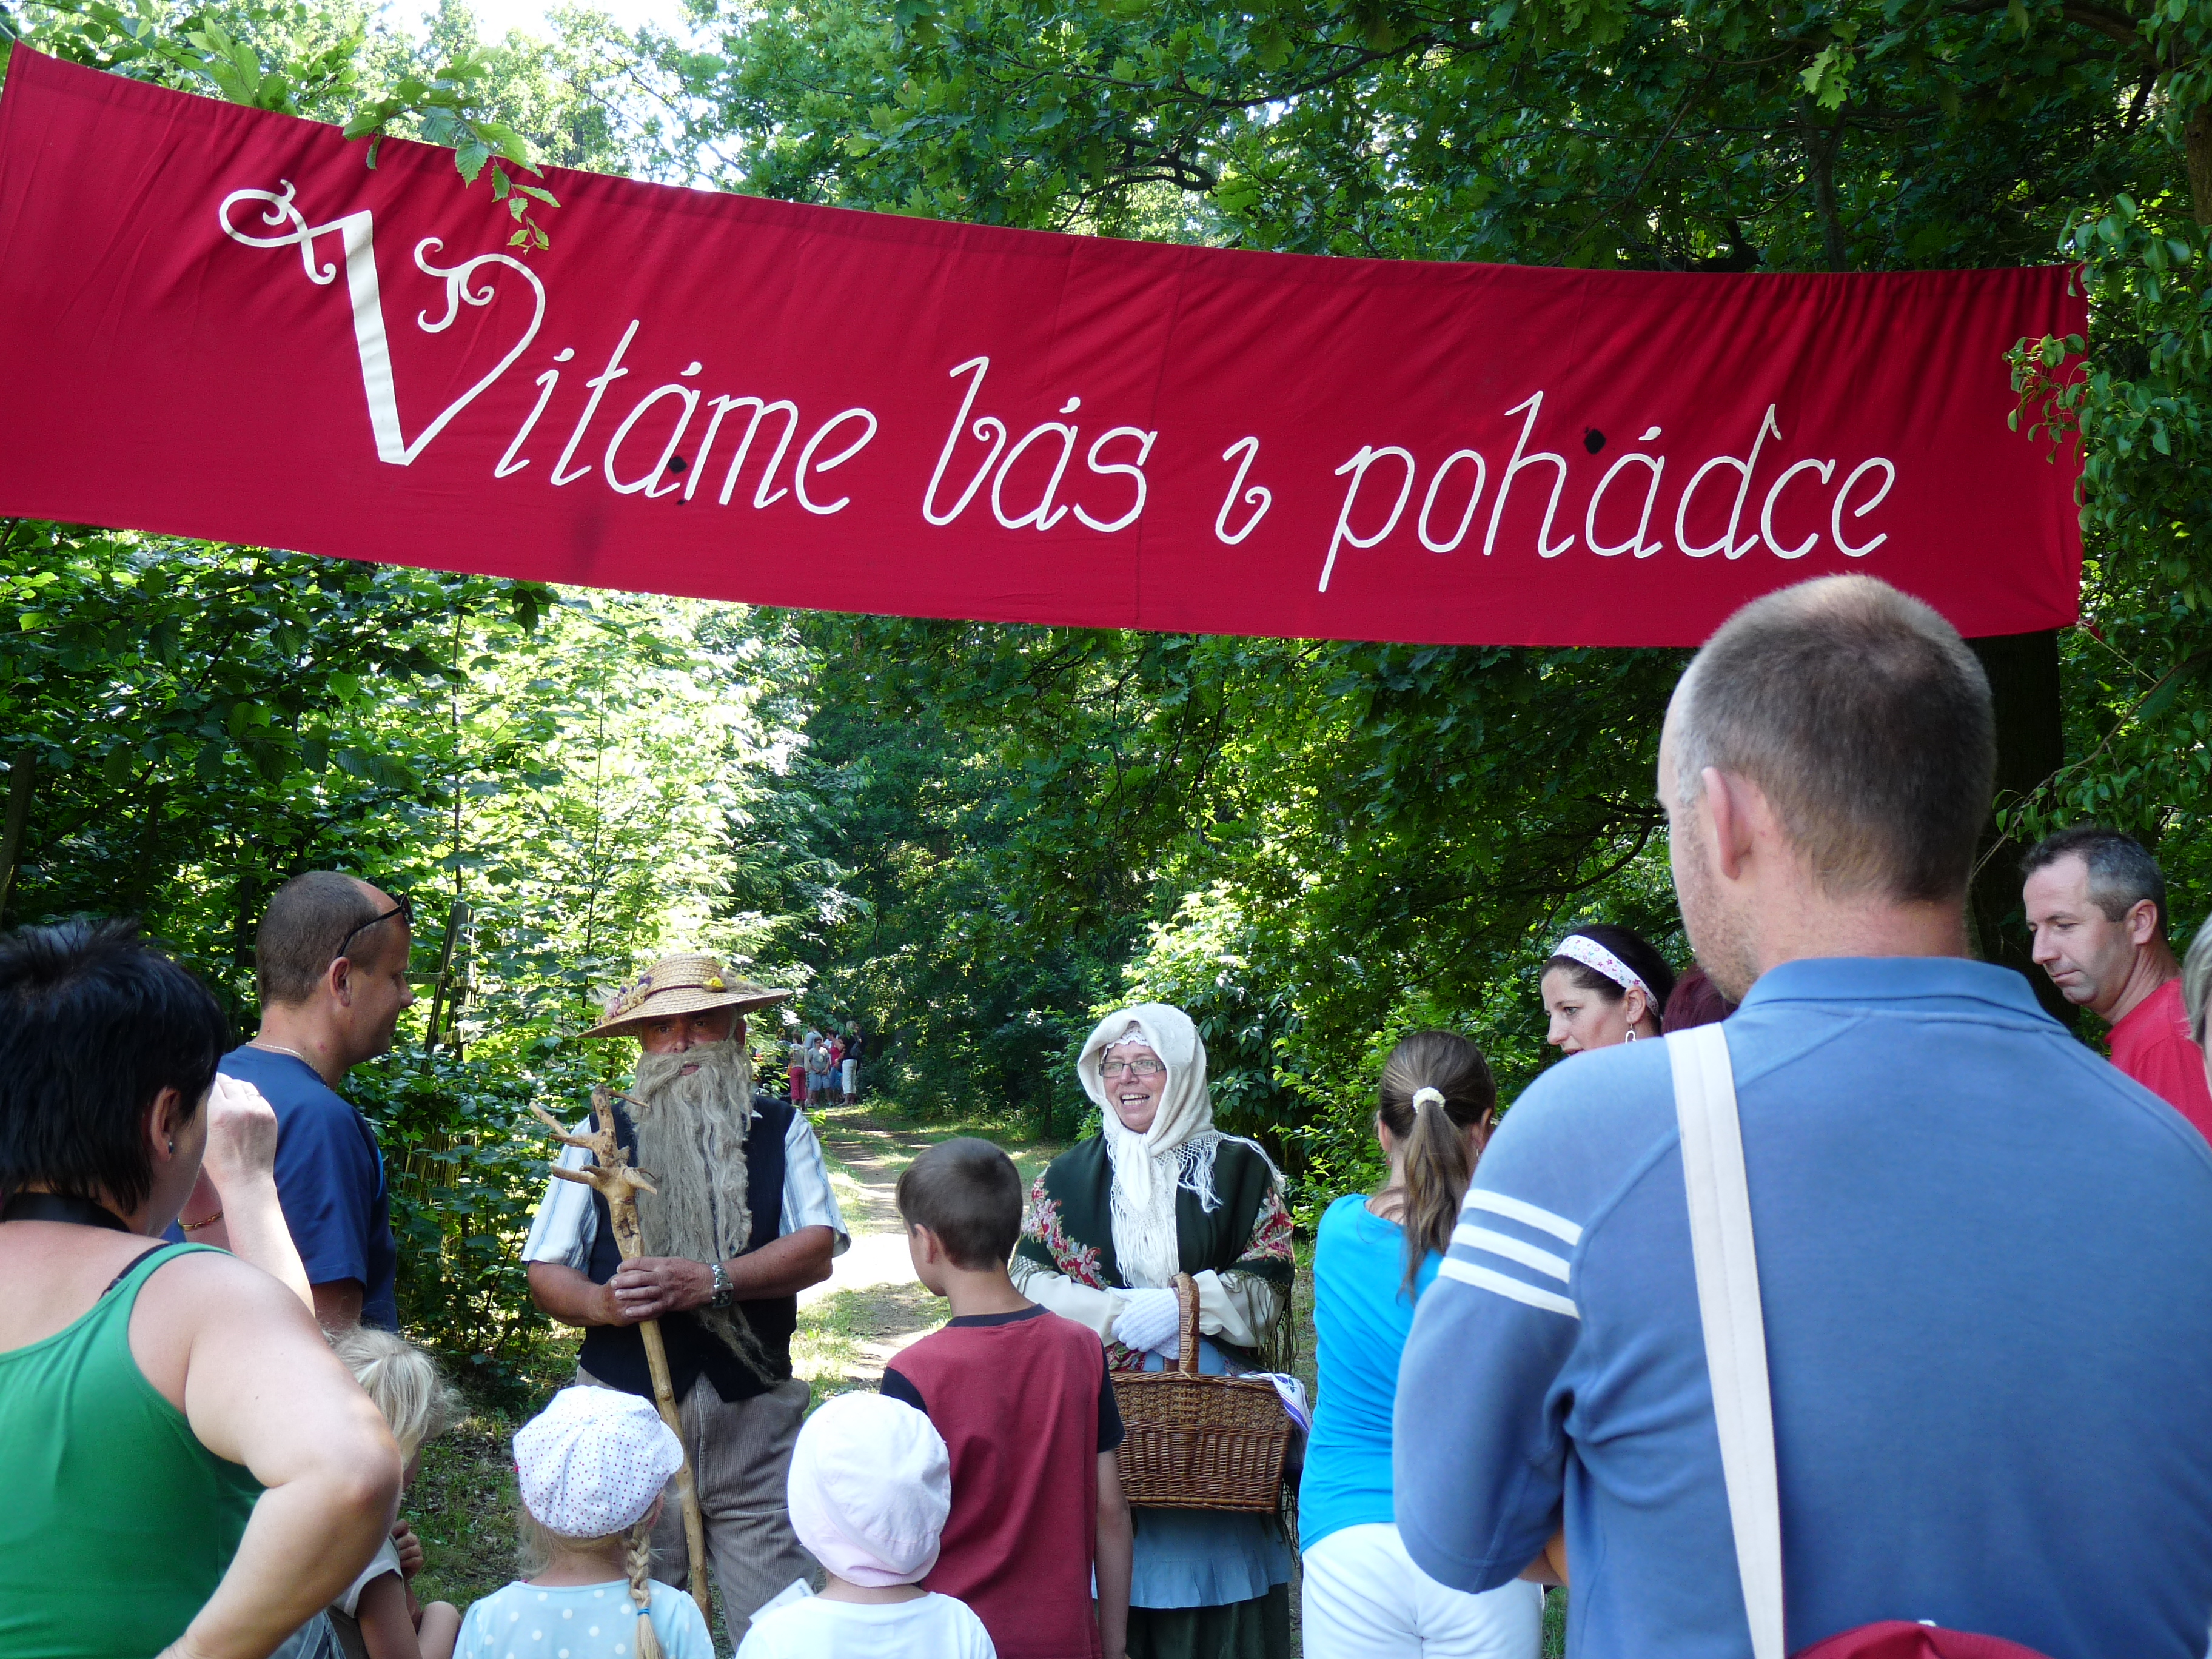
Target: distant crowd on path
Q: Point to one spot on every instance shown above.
(1827, 1298)
(826, 1067)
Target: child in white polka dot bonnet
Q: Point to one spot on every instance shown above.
(593, 1467)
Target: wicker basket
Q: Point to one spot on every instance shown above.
(1192, 1442)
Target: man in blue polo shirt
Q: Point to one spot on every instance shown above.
(1982, 1251)
(330, 961)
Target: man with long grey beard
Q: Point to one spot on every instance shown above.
(743, 1220)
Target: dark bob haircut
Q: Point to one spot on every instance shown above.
(94, 1025)
(969, 1193)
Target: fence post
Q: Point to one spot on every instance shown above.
(456, 919)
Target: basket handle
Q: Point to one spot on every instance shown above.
(1186, 1290)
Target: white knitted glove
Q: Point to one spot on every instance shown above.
(1148, 1320)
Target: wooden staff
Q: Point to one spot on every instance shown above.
(615, 1181)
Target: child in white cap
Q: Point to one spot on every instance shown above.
(871, 1485)
(591, 1466)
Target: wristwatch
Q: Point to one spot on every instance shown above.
(723, 1293)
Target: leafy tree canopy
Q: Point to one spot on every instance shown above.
(970, 837)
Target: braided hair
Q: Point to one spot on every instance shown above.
(638, 1556)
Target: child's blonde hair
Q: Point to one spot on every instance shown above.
(402, 1379)
(540, 1543)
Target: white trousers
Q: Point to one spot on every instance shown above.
(1364, 1598)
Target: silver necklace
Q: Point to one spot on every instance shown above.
(279, 1049)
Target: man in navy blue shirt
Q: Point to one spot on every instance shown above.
(1982, 1251)
(332, 963)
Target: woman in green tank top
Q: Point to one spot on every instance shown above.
(190, 1472)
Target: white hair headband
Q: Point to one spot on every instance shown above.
(1422, 1094)
(1581, 947)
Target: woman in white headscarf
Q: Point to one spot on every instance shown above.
(1159, 1191)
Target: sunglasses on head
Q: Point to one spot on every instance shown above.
(403, 907)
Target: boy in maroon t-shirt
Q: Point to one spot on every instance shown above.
(1022, 1400)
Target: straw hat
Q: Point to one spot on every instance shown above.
(687, 983)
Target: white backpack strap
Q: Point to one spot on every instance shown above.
(1728, 1305)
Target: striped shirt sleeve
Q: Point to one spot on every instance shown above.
(808, 1200)
(565, 1225)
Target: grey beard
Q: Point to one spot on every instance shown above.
(691, 1136)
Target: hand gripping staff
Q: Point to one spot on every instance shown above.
(614, 1180)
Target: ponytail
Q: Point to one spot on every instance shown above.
(1436, 1087)
(640, 1561)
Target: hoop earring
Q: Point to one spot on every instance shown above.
(1631, 1034)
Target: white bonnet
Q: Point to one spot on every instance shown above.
(592, 1461)
(869, 1487)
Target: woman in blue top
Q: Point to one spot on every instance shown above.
(1375, 1256)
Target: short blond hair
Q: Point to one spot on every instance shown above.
(403, 1381)
(2197, 982)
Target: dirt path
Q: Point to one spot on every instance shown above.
(872, 1305)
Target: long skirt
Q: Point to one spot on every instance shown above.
(1257, 1629)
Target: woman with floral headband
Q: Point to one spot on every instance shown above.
(1604, 985)
(1159, 1191)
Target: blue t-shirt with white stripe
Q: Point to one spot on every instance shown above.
(1986, 1262)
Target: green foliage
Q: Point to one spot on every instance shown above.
(556, 780)
(444, 110)
(298, 59)
(2133, 397)
(972, 838)
(1319, 846)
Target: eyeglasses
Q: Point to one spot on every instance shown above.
(1110, 1068)
(404, 906)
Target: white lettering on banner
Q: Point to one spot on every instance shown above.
(1429, 501)
(1642, 544)
(357, 239)
(1043, 515)
(606, 377)
(985, 425)
(807, 456)
(1534, 405)
(1136, 470)
(1358, 466)
(1257, 497)
(674, 388)
(551, 377)
(1826, 470)
(1636, 543)
(1049, 510)
(1836, 516)
(1120, 453)
(1727, 542)
(722, 406)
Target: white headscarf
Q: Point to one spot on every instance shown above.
(1177, 1152)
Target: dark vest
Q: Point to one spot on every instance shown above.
(615, 1354)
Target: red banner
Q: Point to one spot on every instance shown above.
(220, 322)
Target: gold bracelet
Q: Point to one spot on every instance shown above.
(195, 1226)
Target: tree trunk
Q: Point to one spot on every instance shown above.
(1821, 143)
(2197, 147)
(17, 822)
(2023, 670)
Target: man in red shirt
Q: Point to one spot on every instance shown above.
(2096, 903)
